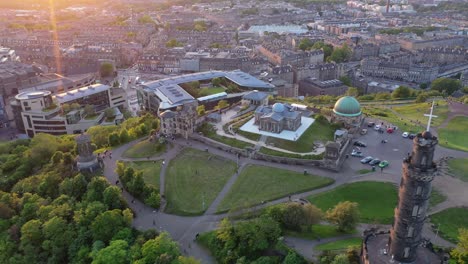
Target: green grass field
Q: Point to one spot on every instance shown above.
(415, 112)
(195, 177)
(459, 168)
(144, 149)
(376, 200)
(151, 170)
(318, 131)
(436, 197)
(210, 90)
(319, 232)
(273, 152)
(258, 183)
(449, 221)
(340, 244)
(387, 115)
(454, 134)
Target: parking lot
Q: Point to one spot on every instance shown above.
(396, 148)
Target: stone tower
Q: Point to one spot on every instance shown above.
(86, 160)
(415, 189)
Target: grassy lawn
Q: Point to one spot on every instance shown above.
(249, 135)
(144, 149)
(259, 183)
(376, 200)
(415, 112)
(459, 167)
(150, 170)
(388, 116)
(364, 171)
(340, 244)
(210, 90)
(454, 134)
(436, 197)
(318, 131)
(195, 177)
(208, 131)
(449, 221)
(319, 231)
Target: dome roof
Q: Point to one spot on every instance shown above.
(278, 108)
(347, 106)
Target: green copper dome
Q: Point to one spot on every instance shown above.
(347, 106)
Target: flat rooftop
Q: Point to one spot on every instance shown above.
(81, 92)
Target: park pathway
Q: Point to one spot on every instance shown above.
(184, 229)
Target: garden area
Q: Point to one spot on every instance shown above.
(209, 131)
(454, 134)
(416, 111)
(209, 91)
(150, 169)
(376, 200)
(320, 130)
(144, 149)
(259, 183)
(459, 168)
(449, 221)
(193, 181)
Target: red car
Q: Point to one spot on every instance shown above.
(389, 130)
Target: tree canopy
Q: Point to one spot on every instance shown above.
(447, 85)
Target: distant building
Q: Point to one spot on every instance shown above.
(312, 87)
(7, 54)
(40, 112)
(255, 98)
(420, 73)
(277, 118)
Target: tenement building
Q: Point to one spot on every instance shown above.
(405, 72)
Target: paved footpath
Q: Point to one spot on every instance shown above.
(184, 229)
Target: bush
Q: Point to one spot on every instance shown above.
(114, 139)
(154, 199)
(422, 97)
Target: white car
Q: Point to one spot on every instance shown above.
(377, 127)
(405, 134)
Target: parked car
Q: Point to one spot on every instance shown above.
(390, 130)
(356, 153)
(370, 124)
(411, 136)
(374, 162)
(383, 164)
(363, 131)
(377, 127)
(405, 134)
(366, 159)
(360, 144)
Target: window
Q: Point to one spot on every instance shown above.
(419, 190)
(410, 231)
(415, 211)
(406, 252)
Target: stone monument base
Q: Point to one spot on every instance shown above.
(90, 166)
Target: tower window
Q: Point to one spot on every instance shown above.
(415, 211)
(419, 190)
(410, 231)
(406, 252)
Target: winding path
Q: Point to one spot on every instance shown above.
(184, 229)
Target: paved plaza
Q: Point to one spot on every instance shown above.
(306, 122)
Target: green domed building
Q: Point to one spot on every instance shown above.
(347, 110)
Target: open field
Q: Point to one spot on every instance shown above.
(376, 200)
(151, 170)
(259, 183)
(193, 181)
(416, 111)
(145, 149)
(454, 134)
(459, 168)
(449, 221)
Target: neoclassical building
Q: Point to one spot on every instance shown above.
(277, 118)
(347, 111)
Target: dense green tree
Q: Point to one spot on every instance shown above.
(201, 110)
(327, 49)
(43, 147)
(421, 98)
(114, 139)
(222, 104)
(341, 54)
(57, 157)
(346, 80)
(96, 189)
(56, 233)
(107, 224)
(124, 137)
(305, 44)
(401, 92)
(340, 259)
(112, 198)
(383, 96)
(447, 85)
(106, 69)
(345, 215)
(294, 258)
(159, 248)
(153, 200)
(117, 252)
(460, 252)
(216, 81)
(352, 91)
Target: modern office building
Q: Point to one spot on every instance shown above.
(41, 112)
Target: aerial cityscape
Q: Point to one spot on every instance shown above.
(234, 131)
